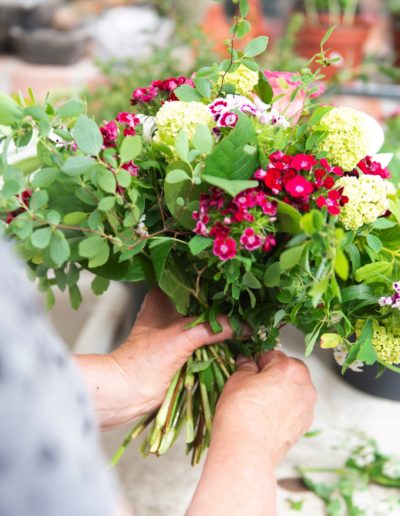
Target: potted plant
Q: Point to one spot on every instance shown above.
(348, 39)
(394, 10)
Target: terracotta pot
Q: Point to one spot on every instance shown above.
(396, 37)
(347, 41)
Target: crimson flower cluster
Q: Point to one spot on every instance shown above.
(164, 88)
(245, 222)
(125, 123)
(25, 198)
(372, 168)
(301, 180)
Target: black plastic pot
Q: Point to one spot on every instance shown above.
(386, 386)
(49, 46)
(27, 14)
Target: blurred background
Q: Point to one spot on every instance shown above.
(101, 50)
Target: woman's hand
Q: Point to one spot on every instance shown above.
(134, 378)
(267, 405)
(271, 399)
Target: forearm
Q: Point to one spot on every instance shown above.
(113, 397)
(238, 477)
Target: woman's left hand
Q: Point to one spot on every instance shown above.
(134, 378)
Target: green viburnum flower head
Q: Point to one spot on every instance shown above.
(243, 79)
(386, 338)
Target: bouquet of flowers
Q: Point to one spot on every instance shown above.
(236, 193)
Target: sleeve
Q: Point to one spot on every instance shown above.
(50, 458)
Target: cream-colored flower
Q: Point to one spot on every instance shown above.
(175, 116)
(367, 200)
(386, 338)
(351, 135)
(243, 79)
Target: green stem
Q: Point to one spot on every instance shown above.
(133, 434)
(189, 384)
(350, 12)
(219, 361)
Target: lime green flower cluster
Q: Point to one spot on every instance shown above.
(243, 79)
(175, 116)
(347, 140)
(367, 200)
(386, 339)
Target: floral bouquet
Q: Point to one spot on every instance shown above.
(236, 193)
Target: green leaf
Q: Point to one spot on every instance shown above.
(250, 281)
(41, 238)
(243, 28)
(256, 47)
(75, 218)
(50, 299)
(87, 135)
(199, 244)
(367, 353)
(228, 160)
(291, 257)
(177, 176)
(272, 275)
(77, 165)
(197, 367)
(203, 86)
(341, 264)
(101, 257)
(383, 223)
(75, 297)
(188, 94)
(182, 145)
(91, 246)
(375, 243)
(311, 338)
(100, 285)
(288, 217)
(10, 112)
(374, 272)
(328, 34)
(159, 253)
(106, 180)
(59, 248)
(45, 177)
(263, 89)
(203, 140)
(70, 109)
(244, 8)
(175, 284)
(130, 149)
(39, 199)
(362, 292)
(330, 340)
(106, 204)
(318, 290)
(232, 187)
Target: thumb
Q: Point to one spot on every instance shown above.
(246, 365)
(202, 334)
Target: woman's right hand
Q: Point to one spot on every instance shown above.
(270, 399)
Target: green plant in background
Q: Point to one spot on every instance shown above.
(187, 52)
(392, 145)
(340, 11)
(348, 492)
(393, 6)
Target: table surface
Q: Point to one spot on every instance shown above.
(164, 486)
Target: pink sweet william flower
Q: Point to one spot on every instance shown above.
(144, 95)
(303, 162)
(373, 168)
(110, 132)
(132, 168)
(250, 240)
(299, 187)
(291, 109)
(260, 174)
(228, 119)
(224, 248)
(218, 107)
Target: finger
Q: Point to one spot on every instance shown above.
(157, 310)
(244, 364)
(270, 359)
(202, 334)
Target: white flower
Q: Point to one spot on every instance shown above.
(340, 356)
(141, 229)
(149, 126)
(391, 468)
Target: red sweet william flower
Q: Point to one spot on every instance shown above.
(373, 168)
(299, 187)
(110, 132)
(260, 174)
(144, 95)
(331, 202)
(129, 119)
(225, 248)
(269, 243)
(303, 162)
(250, 240)
(132, 168)
(273, 180)
(269, 208)
(219, 230)
(329, 183)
